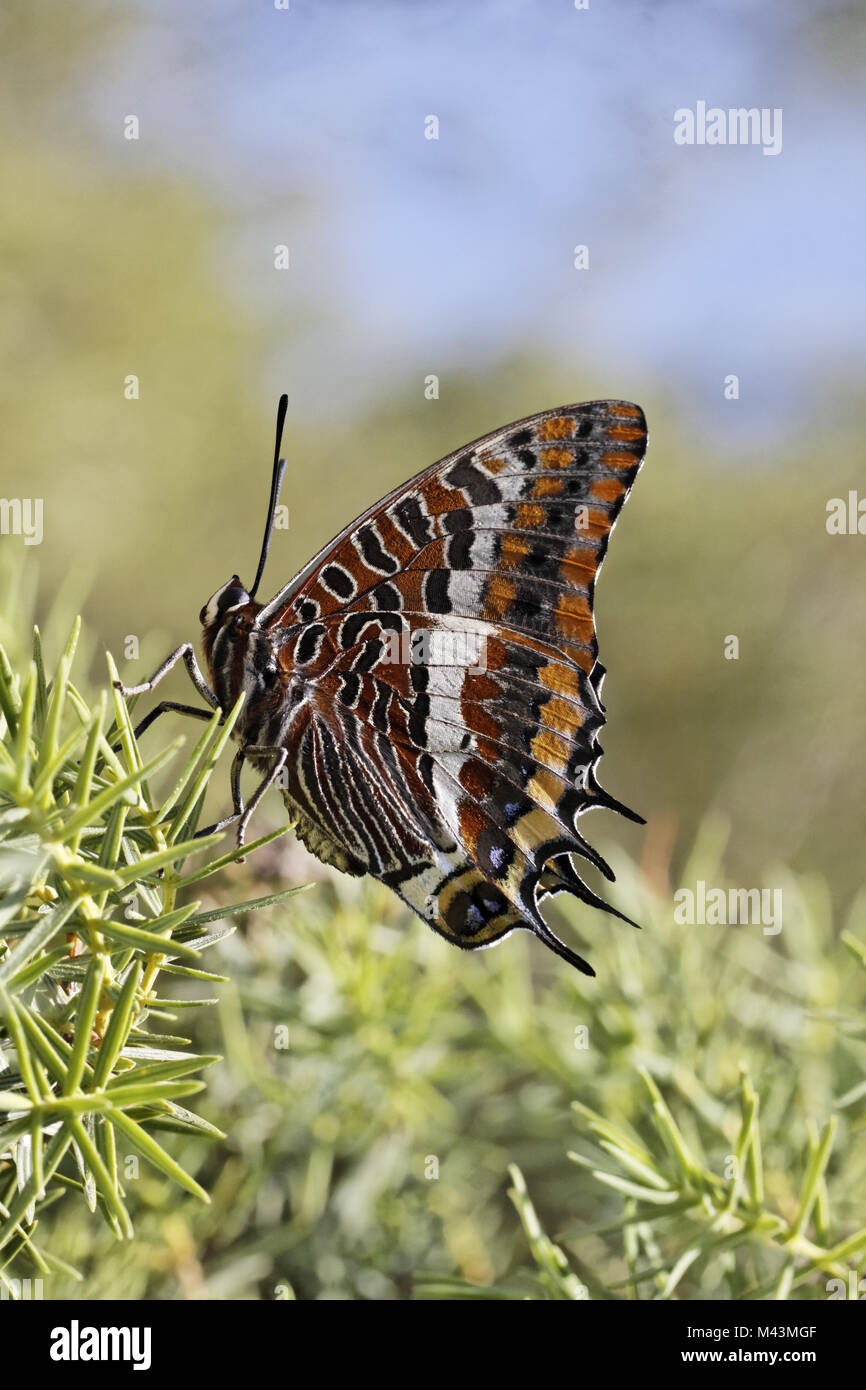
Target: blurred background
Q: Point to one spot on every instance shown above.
(453, 257)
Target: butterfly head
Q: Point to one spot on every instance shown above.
(227, 598)
(227, 621)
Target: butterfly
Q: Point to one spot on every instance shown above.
(427, 690)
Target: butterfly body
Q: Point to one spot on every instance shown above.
(427, 690)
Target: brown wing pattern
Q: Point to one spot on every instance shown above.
(446, 733)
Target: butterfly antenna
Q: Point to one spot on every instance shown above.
(276, 483)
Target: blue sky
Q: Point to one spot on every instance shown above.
(556, 128)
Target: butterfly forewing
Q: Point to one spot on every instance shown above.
(443, 656)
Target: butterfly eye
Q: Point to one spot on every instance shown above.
(232, 597)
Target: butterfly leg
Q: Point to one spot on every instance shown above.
(163, 707)
(242, 814)
(280, 756)
(186, 652)
(237, 800)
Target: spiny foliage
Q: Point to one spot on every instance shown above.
(668, 1189)
(91, 917)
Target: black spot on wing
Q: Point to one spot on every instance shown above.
(460, 519)
(352, 626)
(379, 711)
(373, 553)
(350, 687)
(493, 851)
(418, 719)
(386, 598)
(413, 521)
(338, 581)
(308, 643)
(424, 765)
(478, 487)
(369, 655)
(469, 912)
(436, 591)
(460, 550)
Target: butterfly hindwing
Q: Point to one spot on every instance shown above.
(447, 652)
